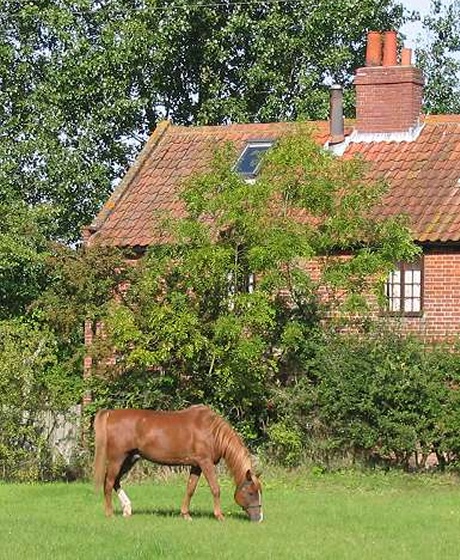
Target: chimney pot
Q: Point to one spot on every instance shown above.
(374, 48)
(390, 50)
(406, 57)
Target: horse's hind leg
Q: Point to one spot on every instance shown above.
(115, 470)
(127, 465)
(193, 479)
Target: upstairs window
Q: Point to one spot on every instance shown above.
(248, 163)
(404, 289)
(240, 279)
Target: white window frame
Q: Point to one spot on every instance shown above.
(404, 289)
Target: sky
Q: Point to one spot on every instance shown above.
(411, 30)
(420, 5)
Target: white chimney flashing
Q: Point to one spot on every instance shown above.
(357, 137)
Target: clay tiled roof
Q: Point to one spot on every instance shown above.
(423, 174)
(424, 178)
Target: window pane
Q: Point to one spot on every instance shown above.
(251, 283)
(408, 305)
(412, 288)
(412, 305)
(393, 290)
(249, 161)
(404, 288)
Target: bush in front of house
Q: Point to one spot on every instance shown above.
(370, 398)
(37, 395)
(374, 398)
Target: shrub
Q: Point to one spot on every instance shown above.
(32, 385)
(377, 396)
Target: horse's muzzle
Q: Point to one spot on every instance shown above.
(256, 516)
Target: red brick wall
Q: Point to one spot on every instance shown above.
(440, 319)
(388, 98)
(441, 296)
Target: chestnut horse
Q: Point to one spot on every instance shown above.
(196, 437)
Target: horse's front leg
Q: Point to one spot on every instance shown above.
(209, 472)
(192, 482)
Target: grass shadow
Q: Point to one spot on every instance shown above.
(170, 512)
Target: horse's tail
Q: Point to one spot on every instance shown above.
(100, 433)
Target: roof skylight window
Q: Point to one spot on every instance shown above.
(248, 164)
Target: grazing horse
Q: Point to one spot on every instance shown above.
(196, 436)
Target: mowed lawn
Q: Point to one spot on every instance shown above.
(327, 516)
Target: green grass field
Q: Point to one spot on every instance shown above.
(327, 516)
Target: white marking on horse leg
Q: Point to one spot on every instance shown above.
(125, 502)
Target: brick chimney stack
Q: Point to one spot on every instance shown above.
(388, 94)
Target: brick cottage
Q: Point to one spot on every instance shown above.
(417, 155)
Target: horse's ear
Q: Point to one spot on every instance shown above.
(250, 475)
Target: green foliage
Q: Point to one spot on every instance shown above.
(286, 445)
(41, 338)
(187, 323)
(81, 86)
(378, 397)
(84, 82)
(81, 285)
(193, 320)
(32, 384)
(23, 253)
(375, 394)
(437, 54)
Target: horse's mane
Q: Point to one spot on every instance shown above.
(230, 446)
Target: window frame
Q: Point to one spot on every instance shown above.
(404, 268)
(267, 144)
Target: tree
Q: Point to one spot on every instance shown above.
(193, 326)
(438, 56)
(47, 292)
(27, 359)
(83, 82)
(24, 249)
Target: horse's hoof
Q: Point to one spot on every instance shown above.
(186, 516)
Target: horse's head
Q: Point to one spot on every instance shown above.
(248, 495)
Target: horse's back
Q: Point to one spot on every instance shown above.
(170, 437)
(197, 413)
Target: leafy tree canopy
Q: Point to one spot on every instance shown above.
(83, 82)
(24, 248)
(228, 307)
(438, 54)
